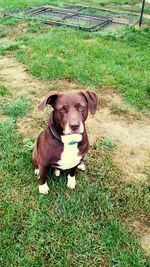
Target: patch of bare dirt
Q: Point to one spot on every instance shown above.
(122, 20)
(16, 76)
(3, 117)
(15, 31)
(90, 41)
(142, 231)
(133, 141)
(130, 131)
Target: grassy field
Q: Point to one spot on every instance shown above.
(90, 226)
(85, 227)
(92, 59)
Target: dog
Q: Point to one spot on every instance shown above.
(63, 143)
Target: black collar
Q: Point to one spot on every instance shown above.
(52, 128)
(54, 132)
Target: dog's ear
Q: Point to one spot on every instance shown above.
(49, 100)
(92, 100)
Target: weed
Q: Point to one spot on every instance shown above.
(4, 90)
(21, 55)
(18, 107)
(106, 143)
(24, 38)
(32, 29)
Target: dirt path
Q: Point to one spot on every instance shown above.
(132, 136)
(131, 132)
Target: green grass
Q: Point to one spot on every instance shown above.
(113, 4)
(9, 21)
(93, 60)
(25, 3)
(7, 45)
(66, 228)
(99, 59)
(4, 91)
(106, 143)
(18, 107)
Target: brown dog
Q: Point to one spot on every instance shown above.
(64, 142)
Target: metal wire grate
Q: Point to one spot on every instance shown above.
(82, 17)
(69, 17)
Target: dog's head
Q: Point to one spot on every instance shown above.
(71, 109)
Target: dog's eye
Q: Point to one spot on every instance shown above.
(81, 108)
(63, 110)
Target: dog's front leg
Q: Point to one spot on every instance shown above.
(71, 178)
(43, 187)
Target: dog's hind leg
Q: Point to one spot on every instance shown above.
(35, 163)
(81, 166)
(36, 172)
(57, 172)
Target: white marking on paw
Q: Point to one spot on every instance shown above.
(81, 166)
(57, 172)
(37, 172)
(43, 189)
(71, 182)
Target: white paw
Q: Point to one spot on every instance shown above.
(57, 172)
(81, 166)
(71, 182)
(43, 189)
(37, 172)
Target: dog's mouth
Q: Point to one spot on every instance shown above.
(71, 139)
(73, 129)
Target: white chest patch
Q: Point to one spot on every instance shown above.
(70, 156)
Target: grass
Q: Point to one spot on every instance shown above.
(4, 91)
(66, 228)
(93, 60)
(7, 45)
(90, 225)
(122, 4)
(18, 107)
(106, 143)
(9, 21)
(25, 3)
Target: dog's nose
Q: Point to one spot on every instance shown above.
(74, 127)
